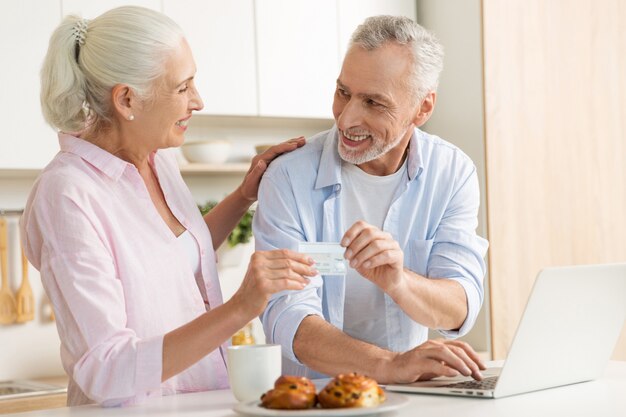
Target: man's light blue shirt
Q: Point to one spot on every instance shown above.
(433, 216)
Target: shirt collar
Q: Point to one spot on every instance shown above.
(107, 163)
(329, 172)
(330, 162)
(415, 163)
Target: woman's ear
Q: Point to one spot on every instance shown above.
(123, 99)
(425, 109)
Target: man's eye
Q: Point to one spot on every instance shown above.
(373, 103)
(342, 93)
(182, 90)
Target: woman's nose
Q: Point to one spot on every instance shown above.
(196, 101)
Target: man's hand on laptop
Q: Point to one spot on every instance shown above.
(435, 358)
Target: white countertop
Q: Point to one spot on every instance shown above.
(603, 397)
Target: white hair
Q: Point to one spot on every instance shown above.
(427, 52)
(86, 59)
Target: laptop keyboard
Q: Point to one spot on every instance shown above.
(487, 383)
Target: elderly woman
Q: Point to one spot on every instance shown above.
(125, 256)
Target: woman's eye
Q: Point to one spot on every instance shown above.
(182, 90)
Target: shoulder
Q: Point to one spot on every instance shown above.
(439, 154)
(302, 161)
(69, 182)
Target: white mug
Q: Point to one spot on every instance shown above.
(253, 369)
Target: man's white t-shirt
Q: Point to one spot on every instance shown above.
(366, 197)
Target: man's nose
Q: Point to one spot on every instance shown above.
(351, 115)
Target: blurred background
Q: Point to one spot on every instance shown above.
(533, 91)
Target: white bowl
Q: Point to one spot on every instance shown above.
(207, 151)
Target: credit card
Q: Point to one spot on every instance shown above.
(328, 257)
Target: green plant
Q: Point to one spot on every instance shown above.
(241, 233)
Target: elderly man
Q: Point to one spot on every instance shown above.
(402, 202)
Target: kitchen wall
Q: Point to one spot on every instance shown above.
(458, 115)
(32, 349)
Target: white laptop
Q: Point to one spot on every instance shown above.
(567, 334)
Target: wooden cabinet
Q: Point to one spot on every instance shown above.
(25, 27)
(298, 57)
(222, 39)
(555, 106)
(531, 91)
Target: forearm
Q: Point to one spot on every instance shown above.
(223, 218)
(434, 303)
(326, 349)
(191, 342)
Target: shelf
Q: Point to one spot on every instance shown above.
(186, 169)
(19, 172)
(225, 168)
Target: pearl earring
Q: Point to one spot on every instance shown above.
(131, 117)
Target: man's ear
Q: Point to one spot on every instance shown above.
(122, 98)
(425, 109)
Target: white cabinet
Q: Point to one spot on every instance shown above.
(221, 36)
(301, 46)
(298, 57)
(353, 12)
(25, 27)
(90, 9)
(276, 58)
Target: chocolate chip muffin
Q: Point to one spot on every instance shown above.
(290, 393)
(351, 390)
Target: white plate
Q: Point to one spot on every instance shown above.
(394, 401)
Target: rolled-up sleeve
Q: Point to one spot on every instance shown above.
(276, 225)
(458, 252)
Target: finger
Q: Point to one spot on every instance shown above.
(434, 368)
(468, 361)
(446, 355)
(380, 248)
(282, 284)
(286, 273)
(470, 352)
(353, 232)
(367, 236)
(300, 141)
(289, 254)
(293, 265)
(283, 147)
(256, 171)
(383, 258)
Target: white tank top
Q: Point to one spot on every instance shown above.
(366, 197)
(187, 243)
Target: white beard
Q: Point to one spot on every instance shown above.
(377, 150)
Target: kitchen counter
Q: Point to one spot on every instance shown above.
(38, 402)
(603, 397)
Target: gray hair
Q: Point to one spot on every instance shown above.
(426, 49)
(86, 59)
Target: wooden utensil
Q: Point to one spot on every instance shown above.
(25, 298)
(47, 312)
(8, 308)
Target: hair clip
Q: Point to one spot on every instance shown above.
(80, 31)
